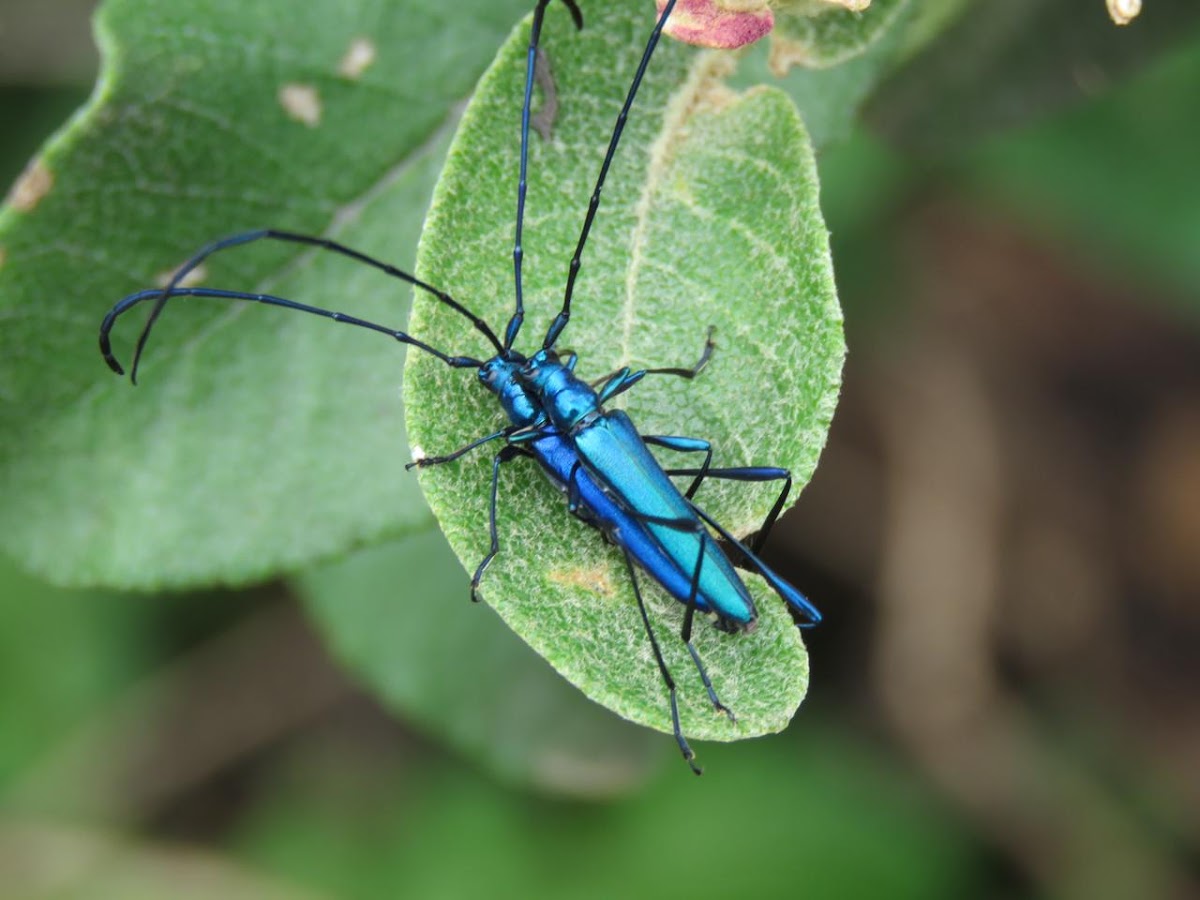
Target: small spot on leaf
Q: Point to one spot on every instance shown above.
(597, 580)
(193, 278)
(852, 5)
(302, 103)
(359, 56)
(543, 120)
(31, 186)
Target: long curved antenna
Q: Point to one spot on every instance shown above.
(535, 34)
(158, 294)
(560, 321)
(291, 237)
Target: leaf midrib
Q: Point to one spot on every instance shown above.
(662, 152)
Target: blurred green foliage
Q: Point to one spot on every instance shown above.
(1111, 178)
(63, 655)
(817, 815)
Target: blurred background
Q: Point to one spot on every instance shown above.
(1004, 534)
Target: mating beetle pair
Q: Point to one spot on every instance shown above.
(595, 455)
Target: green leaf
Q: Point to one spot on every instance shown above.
(819, 35)
(710, 218)
(258, 440)
(398, 615)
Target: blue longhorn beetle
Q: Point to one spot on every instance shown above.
(596, 456)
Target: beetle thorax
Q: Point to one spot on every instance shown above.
(565, 398)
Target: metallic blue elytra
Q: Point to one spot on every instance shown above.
(657, 548)
(558, 458)
(594, 455)
(613, 453)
